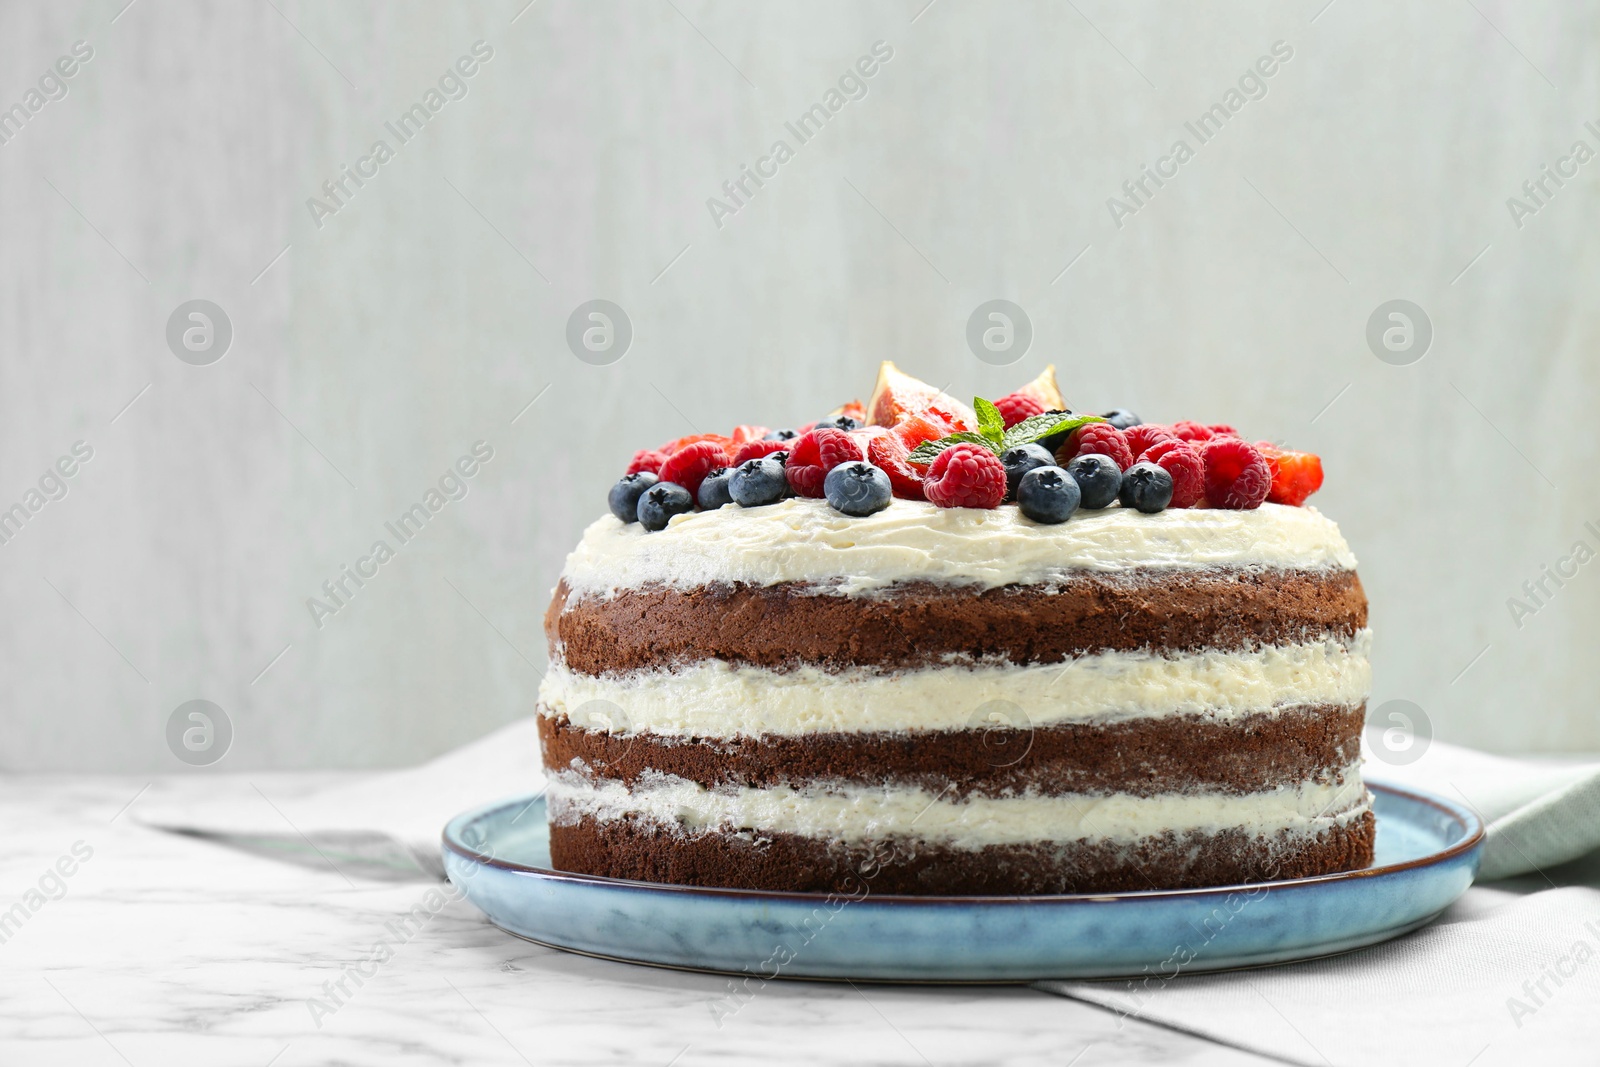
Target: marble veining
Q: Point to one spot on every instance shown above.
(164, 949)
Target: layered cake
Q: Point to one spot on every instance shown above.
(931, 649)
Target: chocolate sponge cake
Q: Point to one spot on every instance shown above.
(959, 700)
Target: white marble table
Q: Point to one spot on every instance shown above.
(164, 950)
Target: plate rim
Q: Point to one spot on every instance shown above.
(1472, 838)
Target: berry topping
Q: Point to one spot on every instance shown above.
(1053, 442)
(1122, 418)
(1019, 406)
(714, 489)
(741, 434)
(1295, 475)
(839, 422)
(1048, 494)
(857, 488)
(1185, 430)
(1146, 487)
(1020, 460)
(1188, 470)
(966, 476)
(1142, 436)
(1237, 476)
(888, 452)
(661, 502)
(646, 460)
(781, 435)
(624, 496)
(1097, 437)
(758, 481)
(690, 464)
(1044, 389)
(817, 453)
(913, 430)
(756, 449)
(898, 394)
(681, 443)
(855, 410)
(1099, 479)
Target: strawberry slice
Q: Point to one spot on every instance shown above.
(695, 438)
(889, 452)
(913, 430)
(1295, 475)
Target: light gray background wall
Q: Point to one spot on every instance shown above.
(430, 310)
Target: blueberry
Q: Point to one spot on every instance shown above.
(1098, 477)
(1122, 418)
(781, 435)
(1020, 460)
(662, 501)
(1048, 494)
(624, 496)
(714, 489)
(857, 488)
(839, 422)
(1147, 487)
(1055, 440)
(758, 481)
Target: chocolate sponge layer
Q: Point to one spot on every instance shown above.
(1259, 751)
(917, 624)
(637, 849)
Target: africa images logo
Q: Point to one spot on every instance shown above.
(342, 189)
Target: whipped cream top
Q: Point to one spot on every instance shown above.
(806, 541)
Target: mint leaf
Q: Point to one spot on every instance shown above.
(928, 451)
(993, 435)
(1037, 427)
(991, 424)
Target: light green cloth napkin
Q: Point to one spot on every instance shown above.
(1539, 813)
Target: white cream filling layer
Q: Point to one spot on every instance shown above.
(715, 699)
(856, 813)
(806, 541)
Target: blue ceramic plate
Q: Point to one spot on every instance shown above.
(1427, 854)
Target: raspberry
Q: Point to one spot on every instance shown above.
(815, 454)
(1222, 429)
(1101, 438)
(745, 434)
(1018, 406)
(757, 449)
(966, 476)
(889, 452)
(1295, 475)
(1186, 430)
(646, 460)
(689, 465)
(1188, 470)
(1141, 437)
(1237, 476)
